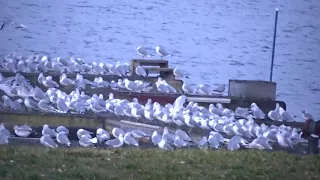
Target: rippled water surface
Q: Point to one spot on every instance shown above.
(213, 40)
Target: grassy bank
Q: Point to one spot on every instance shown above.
(82, 163)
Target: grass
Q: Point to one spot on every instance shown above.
(82, 163)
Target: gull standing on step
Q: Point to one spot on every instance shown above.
(117, 142)
(129, 140)
(116, 132)
(189, 88)
(179, 74)
(65, 81)
(62, 129)
(140, 71)
(204, 89)
(48, 141)
(286, 116)
(102, 135)
(203, 143)
(22, 131)
(47, 131)
(257, 112)
(142, 51)
(81, 132)
(62, 138)
(161, 87)
(220, 88)
(275, 114)
(86, 141)
(156, 137)
(182, 135)
(5, 132)
(162, 52)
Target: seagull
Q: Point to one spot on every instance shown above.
(64, 81)
(257, 112)
(179, 73)
(62, 106)
(128, 139)
(63, 139)
(286, 116)
(116, 143)
(22, 131)
(164, 145)
(275, 114)
(204, 89)
(102, 135)
(156, 137)
(7, 102)
(283, 141)
(167, 136)
(220, 88)
(203, 143)
(49, 83)
(182, 135)
(4, 131)
(141, 71)
(2, 26)
(62, 129)
(116, 132)
(179, 142)
(142, 51)
(213, 142)
(86, 141)
(162, 52)
(31, 104)
(260, 143)
(131, 86)
(189, 88)
(44, 105)
(48, 141)
(234, 143)
(46, 131)
(81, 132)
(162, 87)
(3, 139)
(138, 134)
(21, 26)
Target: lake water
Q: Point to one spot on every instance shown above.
(213, 40)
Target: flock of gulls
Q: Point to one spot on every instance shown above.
(72, 65)
(243, 133)
(231, 129)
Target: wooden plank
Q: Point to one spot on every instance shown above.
(150, 62)
(158, 70)
(209, 100)
(252, 89)
(140, 124)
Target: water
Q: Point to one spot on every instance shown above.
(213, 40)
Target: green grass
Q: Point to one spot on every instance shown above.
(83, 163)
